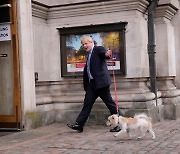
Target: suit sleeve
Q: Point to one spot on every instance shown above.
(102, 52)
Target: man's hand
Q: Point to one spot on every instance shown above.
(109, 53)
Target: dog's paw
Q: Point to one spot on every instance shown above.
(153, 138)
(115, 135)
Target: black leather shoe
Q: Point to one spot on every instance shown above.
(76, 127)
(115, 129)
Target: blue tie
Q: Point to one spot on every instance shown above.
(88, 66)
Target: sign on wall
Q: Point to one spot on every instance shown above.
(5, 32)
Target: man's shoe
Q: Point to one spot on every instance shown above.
(115, 129)
(76, 127)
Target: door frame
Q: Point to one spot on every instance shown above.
(15, 119)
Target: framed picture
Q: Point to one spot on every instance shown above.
(73, 55)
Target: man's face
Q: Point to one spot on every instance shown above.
(87, 44)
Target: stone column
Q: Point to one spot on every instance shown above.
(26, 55)
(165, 54)
(176, 22)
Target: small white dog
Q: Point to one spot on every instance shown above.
(140, 121)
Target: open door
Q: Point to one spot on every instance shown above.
(10, 106)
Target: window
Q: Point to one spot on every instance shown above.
(73, 56)
(5, 13)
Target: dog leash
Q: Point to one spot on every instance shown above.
(115, 90)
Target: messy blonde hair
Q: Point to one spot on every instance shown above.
(86, 37)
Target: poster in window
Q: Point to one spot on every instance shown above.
(76, 55)
(73, 55)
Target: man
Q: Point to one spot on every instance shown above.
(96, 80)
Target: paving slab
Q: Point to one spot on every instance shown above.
(95, 139)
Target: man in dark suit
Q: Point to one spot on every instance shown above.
(96, 80)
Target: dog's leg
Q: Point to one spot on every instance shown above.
(128, 134)
(152, 133)
(143, 131)
(123, 130)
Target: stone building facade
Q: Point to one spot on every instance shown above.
(52, 97)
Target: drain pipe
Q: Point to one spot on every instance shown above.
(151, 46)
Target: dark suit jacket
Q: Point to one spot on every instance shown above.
(98, 68)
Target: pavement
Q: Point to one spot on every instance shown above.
(95, 139)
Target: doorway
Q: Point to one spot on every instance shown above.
(10, 106)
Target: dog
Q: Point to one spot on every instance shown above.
(141, 122)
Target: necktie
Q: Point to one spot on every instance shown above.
(88, 66)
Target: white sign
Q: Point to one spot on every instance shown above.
(5, 32)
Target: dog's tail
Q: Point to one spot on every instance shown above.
(142, 115)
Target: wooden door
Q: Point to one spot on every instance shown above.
(10, 106)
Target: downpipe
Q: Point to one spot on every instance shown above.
(151, 46)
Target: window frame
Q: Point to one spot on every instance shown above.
(83, 30)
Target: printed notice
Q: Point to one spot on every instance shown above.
(5, 32)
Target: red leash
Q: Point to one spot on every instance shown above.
(115, 90)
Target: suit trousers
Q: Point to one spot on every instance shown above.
(90, 97)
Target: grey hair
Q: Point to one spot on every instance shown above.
(86, 37)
